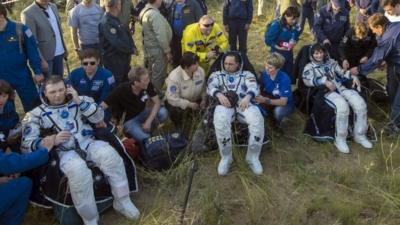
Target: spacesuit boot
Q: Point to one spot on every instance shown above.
(90, 222)
(126, 207)
(252, 158)
(360, 128)
(226, 160)
(341, 133)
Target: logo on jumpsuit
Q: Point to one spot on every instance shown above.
(64, 114)
(69, 126)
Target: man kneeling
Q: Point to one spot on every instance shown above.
(233, 82)
(70, 114)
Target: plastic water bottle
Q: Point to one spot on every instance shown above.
(291, 43)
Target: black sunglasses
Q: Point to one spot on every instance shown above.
(92, 63)
(209, 25)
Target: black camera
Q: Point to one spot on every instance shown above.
(217, 50)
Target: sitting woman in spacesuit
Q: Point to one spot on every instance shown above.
(8, 118)
(325, 72)
(276, 89)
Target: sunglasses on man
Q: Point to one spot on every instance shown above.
(208, 25)
(92, 63)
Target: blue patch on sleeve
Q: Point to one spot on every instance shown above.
(173, 89)
(27, 130)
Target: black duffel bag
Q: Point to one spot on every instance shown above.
(160, 152)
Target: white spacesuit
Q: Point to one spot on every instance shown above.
(242, 83)
(318, 74)
(73, 118)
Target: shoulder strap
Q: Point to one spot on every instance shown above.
(141, 18)
(18, 31)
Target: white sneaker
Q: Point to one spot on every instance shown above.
(255, 166)
(342, 146)
(126, 207)
(224, 164)
(363, 141)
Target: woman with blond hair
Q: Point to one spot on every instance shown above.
(276, 94)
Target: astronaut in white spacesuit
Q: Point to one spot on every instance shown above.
(232, 80)
(68, 113)
(323, 71)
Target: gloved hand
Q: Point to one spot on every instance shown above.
(232, 97)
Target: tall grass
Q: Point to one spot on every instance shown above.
(303, 182)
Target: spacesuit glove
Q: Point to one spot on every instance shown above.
(244, 104)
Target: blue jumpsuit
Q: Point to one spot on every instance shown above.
(333, 27)
(277, 34)
(8, 120)
(14, 195)
(13, 63)
(388, 50)
(99, 87)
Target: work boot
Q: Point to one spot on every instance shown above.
(252, 158)
(341, 145)
(363, 141)
(125, 206)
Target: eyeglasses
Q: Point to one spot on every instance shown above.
(92, 63)
(209, 25)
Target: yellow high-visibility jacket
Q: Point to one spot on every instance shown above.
(194, 41)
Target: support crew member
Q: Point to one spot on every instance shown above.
(331, 25)
(17, 46)
(205, 39)
(116, 42)
(388, 50)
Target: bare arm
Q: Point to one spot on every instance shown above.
(74, 36)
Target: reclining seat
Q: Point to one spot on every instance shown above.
(240, 131)
(50, 185)
(310, 100)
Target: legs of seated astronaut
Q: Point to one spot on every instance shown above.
(338, 101)
(223, 117)
(81, 183)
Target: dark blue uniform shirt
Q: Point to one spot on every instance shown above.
(13, 62)
(237, 10)
(388, 50)
(8, 118)
(98, 87)
(331, 26)
(114, 37)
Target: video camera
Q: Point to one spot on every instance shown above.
(217, 50)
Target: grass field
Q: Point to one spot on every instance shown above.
(304, 182)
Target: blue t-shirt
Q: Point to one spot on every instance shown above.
(178, 23)
(280, 87)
